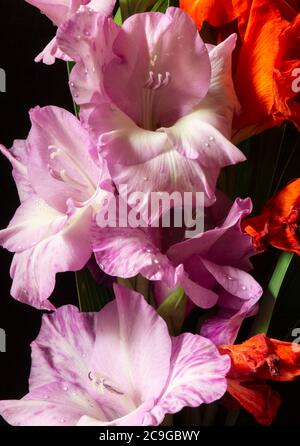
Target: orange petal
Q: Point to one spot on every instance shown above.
(257, 398)
(278, 223)
(263, 358)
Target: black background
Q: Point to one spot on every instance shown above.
(23, 34)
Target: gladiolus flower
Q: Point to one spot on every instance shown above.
(254, 362)
(278, 224)
(267, 61)
(61, 10)
(117, 367)
(58, 180)
(211, 267)
(161, 111)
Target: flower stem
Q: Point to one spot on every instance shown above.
(264, 316)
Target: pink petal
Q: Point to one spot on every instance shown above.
(224, 327)
(87, 39)
(168, 43)
(126, 252)
(18, 157)
(33, 221)
(68, 250)
(56, 130)
(132, 337)
(235, 281)
(104, 6)
(226, 242)
(198, 375)
(221, 102)
(56, 10)
(51, 405)
(50, 53)
(69, 352)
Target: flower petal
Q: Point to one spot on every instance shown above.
(223, 328)
(134, 329)
(69, 352)
(257, 398)
(161, 37)
(33, 221)
(18, 157)
(198, 375)
(50, 53)
(87, 38)
(68, 250)
(58, 143)
(51, 405)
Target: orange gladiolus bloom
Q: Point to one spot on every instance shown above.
(267, 58)
(253, 363)
(278, 224)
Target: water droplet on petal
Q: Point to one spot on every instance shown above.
(148, 250)
(206, 144)
(228, 277)
(72, 84)
(87, 33)
(156, 261)
(244, 288)
(65, 388)
(62, 420)
(211, 138)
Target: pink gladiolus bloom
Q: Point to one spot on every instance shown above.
(158, 102)
(118, 367)
(61, 10)
(58, 181)
(211, 267)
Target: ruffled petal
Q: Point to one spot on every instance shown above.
(87, 38)
(69, 352)
(198, 375)
(223, 328)
(68, 250)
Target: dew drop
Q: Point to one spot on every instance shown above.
(211, 138)
(228, 277)
(65, 388)
(62, 420)
(76, 95)
(156, 261)
(78, 37)
(244, 288)
(72, 84)
(87, 33)
(145, 178)
(46, 397)
(206, 144)
(148, 250)
(25, 292)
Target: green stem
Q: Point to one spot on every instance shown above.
(268, 302)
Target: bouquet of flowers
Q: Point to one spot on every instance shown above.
(182, 122)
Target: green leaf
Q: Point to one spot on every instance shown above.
(91, 296)
(118, 17)
(269, 298)
(160, 6)
(172, 310)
